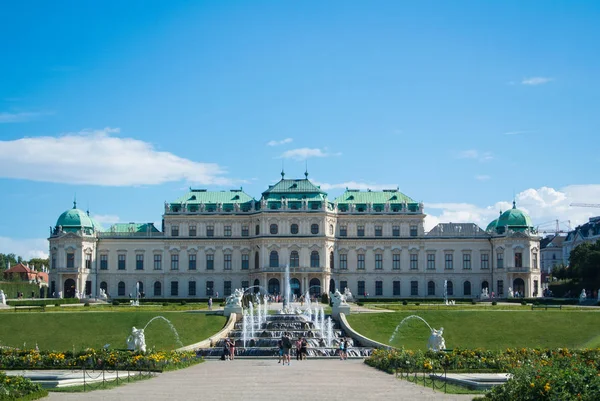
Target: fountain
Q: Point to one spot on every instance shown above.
(446, 292)
(436, 340)
(137, 339)
(136, 302)
(288, 288)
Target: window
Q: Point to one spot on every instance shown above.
(360, 261)
(175, 261)
(174, 288)
(227, 288)
(192, 261)
(396, 232)
(245, 231)
(53, 262)
(361, 288)
(294, 228)
(314, 259)
(157, 289)
(413, 231)
(467, 288)
(343, 231)
(396, 288)
(314, 229)
(256, 261)
(360, 231)
(518, 259)
(273, 229)
(294, 259)
(103, 262)
(121, 289)
(104, 286)
(245, 284)
(210, 286)
(378, 261)
(228, 231)
(139, 262)
(192, 288)
(70, 260)
(535, 260)
(245, 262)
(535, 288)
(414, 288)
(431, 261)
(343, 261)
(331, 265)
(378, 231)
(414, 261)
(500, 287)
(396, 261)
(379, 288)
(485, 261)
(273, 259)
(227, 261)
(331, 229)
(500, 261)
(88, 260)
(467, 261)
(448, 261)
(210, 262)
(121, 259)
(157, 262)
(430, 288)
(343, 286)
(210, 231)
(257, 230)
(192, 230)
(174, 231)
(449, 288)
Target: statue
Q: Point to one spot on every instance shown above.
(582, 296)
(77, 294)
(235, 299)
(337, 298)
(60, 294)
(511, 294)
(2, 298)
(436, 341)
(103, 294)
(136, 340)
(348, 294)
(484, 293)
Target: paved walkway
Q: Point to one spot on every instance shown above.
(266, 380)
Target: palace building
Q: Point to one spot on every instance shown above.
(373, 242)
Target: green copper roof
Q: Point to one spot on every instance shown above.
(198, 196)
(294, 188)
(74, 219)
(492, 225)
(132, 228)
(514, 218)
(392, 196)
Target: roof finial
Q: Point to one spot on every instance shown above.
(282, 170)
(75, 201)
(306, 169)
(514, 204)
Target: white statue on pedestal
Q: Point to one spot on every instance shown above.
(235, 299)
(436, 341)
(337, 299)
(511, 294)
(348, 294)
(582, 296)
(136, 340)
(2, 298)
(484, 293)
(103, 294)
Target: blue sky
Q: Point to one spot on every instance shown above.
(462, 105)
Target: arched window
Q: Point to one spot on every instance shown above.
(256, 262)
(519, 287)
(257, 230)
(467, 288)
(331, 229)
(331, 265)
(273, 286)
(274, 259)
(431, 288)
(315, 287)
(104, 286)
(273, 229)
(449, 288)
(256, 286)
(294, 259)
(314, 259)
(485, 285)
(121, 289)
(141, 288)
(294, 229)
(157, 289)
(314, 229)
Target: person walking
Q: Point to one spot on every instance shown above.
(210, 302)
(299, 349)
(232, 348)
(303, 348)
(287, 348)
(280, 350)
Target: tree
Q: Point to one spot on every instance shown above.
(584, 264)
(38, 263)
(7, 260)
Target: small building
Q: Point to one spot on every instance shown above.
(551, 250)
(24, 272)
(588, 232)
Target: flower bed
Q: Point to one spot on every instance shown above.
(18, 387)
(95, 359)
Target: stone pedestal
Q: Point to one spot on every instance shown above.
(229, 309)
(336, 310)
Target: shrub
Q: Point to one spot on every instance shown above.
(417, 303)
(404, 302)
(116, 303)
(494, 303)
(165, 304)
(19, 387)
(57, 304)
(360, 303)
(183, 303)
(86, 304)
(523, 303)
(473, 302)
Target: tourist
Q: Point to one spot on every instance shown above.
(287, 348)
(280, 350)
(217, 296)
(210, 303)
(299, 349)
(226, 351)
(231, 349)
(303, 350)
(341, 349)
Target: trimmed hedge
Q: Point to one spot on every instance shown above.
(125, 301)
(544, 301)
(411, 300)
(42, 302)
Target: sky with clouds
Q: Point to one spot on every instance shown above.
(463, 105)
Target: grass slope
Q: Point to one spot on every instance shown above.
(485, 329)
(80, 330)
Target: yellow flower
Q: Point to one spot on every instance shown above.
(532, 385)
(547, 387)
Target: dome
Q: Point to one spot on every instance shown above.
(514, 219)
(75, 219)
(492, 225)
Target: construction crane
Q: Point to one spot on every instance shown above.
(556, 230)
(585, 204)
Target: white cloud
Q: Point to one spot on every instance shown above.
(281, 142)
(544, 205)
(475, 155)
(106, 219)
(355, 185)
(26, 248)
(20, 117)
(536, 81)
(516, 132)
(305, 153)
(482, 177)
(97, 158)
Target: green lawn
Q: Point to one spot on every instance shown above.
(80, 330)
(485, 329)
